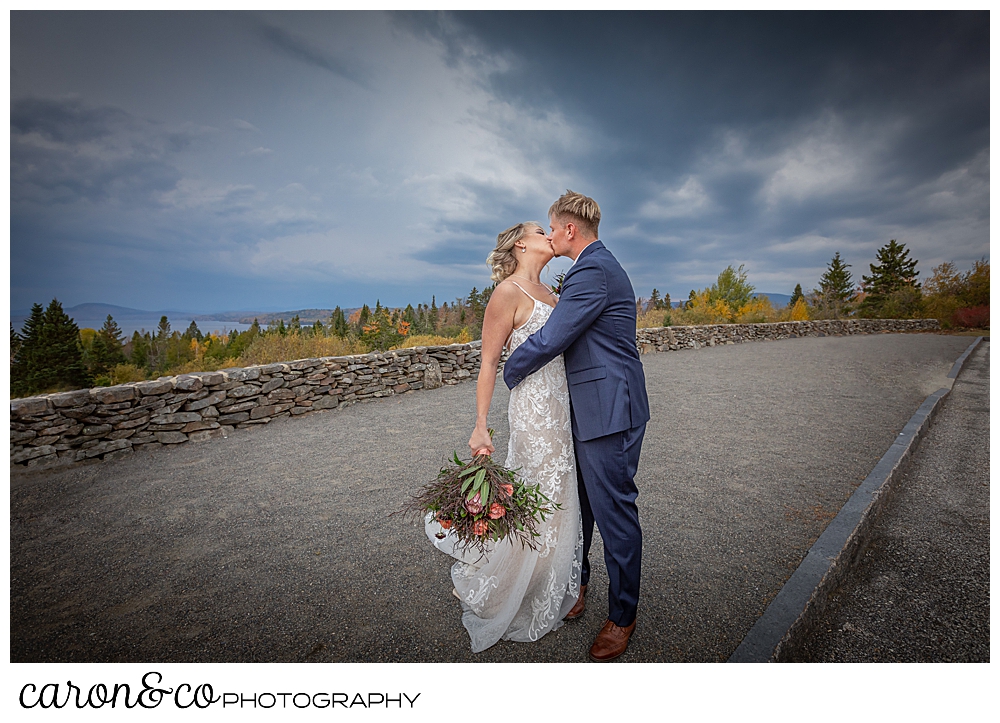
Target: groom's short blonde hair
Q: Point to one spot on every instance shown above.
(581, 210)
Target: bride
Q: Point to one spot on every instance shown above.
(516, 593)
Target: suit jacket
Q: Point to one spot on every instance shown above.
(593, 327)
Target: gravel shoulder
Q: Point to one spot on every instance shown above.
(276, 544)
(921, 591)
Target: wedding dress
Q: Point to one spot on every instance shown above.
(516, 593)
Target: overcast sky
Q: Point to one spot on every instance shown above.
(273, 161)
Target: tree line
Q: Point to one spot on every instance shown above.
(890, 291)
(51, 353)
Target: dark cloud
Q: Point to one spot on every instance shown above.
(64, 150)
(771, 139)
(298, 48)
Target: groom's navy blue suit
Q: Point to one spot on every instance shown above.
(593, 327)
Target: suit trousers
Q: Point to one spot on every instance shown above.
(606, 469)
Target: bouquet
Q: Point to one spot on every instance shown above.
(481, 501)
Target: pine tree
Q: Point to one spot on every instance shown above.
(139, 351)
(26, 358)
(295, 325)
(432, 317)
(15, 343)
(892, 290)
(655, 302)
(667, 304)
(363, 317)
(106, 350)
(796, 295)
(338, 323)
(193, 332)
(836, 288)
(51, 355)
(158, 347)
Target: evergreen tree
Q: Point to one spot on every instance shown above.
(158, 347)
(432, 316)
(15, 343)
(139, 351)
(27, 353)
(690, 300)
(796, 295)
(295, 325)
(193, 332)
(892, 290)
(338, 323)
(655, 302)
(409, 316)
(836, 288)
(363, 317)
(51, 355)
(106, 350)
(667, 304)
(318, 329)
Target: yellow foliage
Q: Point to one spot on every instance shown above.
(756, 311)
(464, 337)
(706, 311)
(87, 337)
(799, 312)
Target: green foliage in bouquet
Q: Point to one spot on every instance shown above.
(481, 502)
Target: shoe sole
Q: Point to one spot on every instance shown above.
(606, 660)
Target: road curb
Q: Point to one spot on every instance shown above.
(788, 619)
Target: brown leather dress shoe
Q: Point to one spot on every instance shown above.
(581, 605)
(611, 642)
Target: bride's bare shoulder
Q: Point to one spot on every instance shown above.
(506, 293)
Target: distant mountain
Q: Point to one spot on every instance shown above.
(306, 316)
(100, 311)
(776, 299)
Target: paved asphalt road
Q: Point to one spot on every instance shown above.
(276, 544)
(921, 591)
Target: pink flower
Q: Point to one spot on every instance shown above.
(509, 489)
(497, 511)
(474, 506)
(479, 527)
(444, 522)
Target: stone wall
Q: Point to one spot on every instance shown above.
(112, 422)
(672, 338)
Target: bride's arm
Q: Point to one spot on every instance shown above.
(498, 321)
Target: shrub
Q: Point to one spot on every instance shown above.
(977, 317)
(124, 373)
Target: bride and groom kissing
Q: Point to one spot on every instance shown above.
(577, 414)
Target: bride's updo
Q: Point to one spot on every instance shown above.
(502, 259)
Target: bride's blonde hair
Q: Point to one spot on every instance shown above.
(502, 259)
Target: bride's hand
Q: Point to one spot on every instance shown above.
(480, 443)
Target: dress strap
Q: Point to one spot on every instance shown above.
(525, 292)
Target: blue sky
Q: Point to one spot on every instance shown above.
(271, 161)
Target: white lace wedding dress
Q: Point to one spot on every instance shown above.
(518, 593)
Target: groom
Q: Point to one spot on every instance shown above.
(593, 326)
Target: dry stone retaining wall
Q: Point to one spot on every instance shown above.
(112, 422)
(672, 338)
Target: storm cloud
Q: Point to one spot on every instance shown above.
(216, 161)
